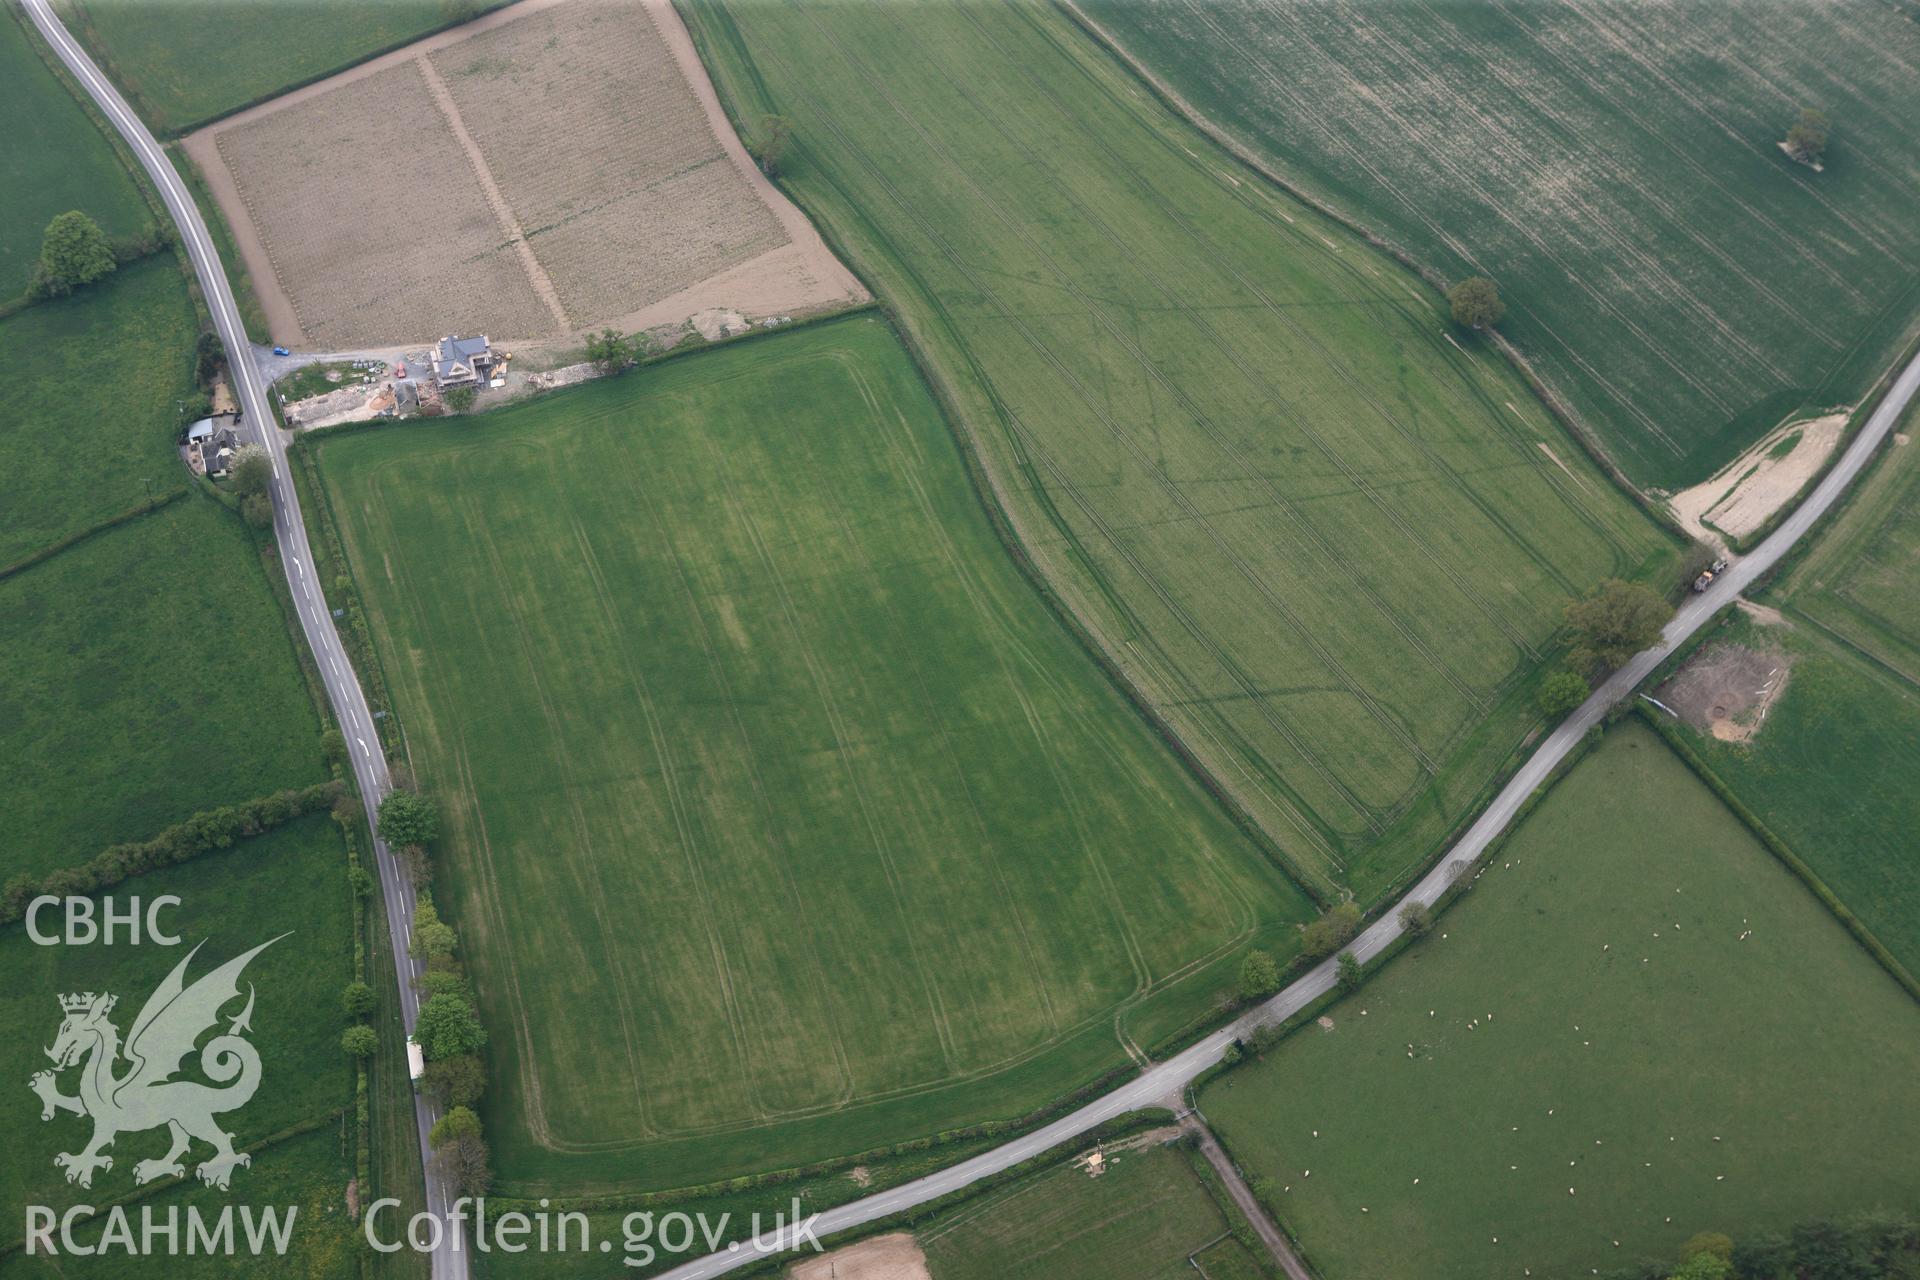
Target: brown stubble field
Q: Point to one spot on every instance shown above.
(506, 177)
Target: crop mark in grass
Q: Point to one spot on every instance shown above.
(643, 500)
(1355, 578)
(936, 1005)
(1173, 491)
(1031, 447)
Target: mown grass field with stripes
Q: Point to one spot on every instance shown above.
(786, 820)
(1328, 543)
(1614, 167)
(1637, 1025)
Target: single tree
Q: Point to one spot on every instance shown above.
(1231, 1054)
(359, 1042)
(770, 144)
(611, 352)
(74, 252)
(1348, 970)
(1415, 919)
(360, 881)
(1704, 1266)
(1476, 303)
(457, 1081)
(464, 1164)
(448, 1026)
(257, 510)
(209, 359)
(1561, 692)
(1331, 931)
(1617, 621)
(1715, 1242)
(459, 1122)
(1264, 1037)
(347, 810)
(443, 982)
(407, 817)
(458, 399)
(333, 746)
(357, 999)
(1259, 975)
(1807, 139)
(252, 471)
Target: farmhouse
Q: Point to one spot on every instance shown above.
(462, 362)
(210, 446)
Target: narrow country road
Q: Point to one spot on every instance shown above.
(343, 689)
(1163, 1083)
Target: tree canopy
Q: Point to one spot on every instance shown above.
(1331, 931)
(459, 1122)
(1476, 303)
(1561, 692)
(75, 252)
(252, 471)
(1617, 621)
(1807, 139)
(406, 817)
(1259, 975)
(448, 1027)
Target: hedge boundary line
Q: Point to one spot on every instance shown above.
(832, 1164)
(72, 540)
(1781, 850)
(203, 832)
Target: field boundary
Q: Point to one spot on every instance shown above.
(89, 35)
(1556, 405)
(1004, 529)
(1855, 927)
(73, 540)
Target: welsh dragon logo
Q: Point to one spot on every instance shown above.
(146, 1095)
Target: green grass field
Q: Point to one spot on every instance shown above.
(1614, 168)
(786, 821)
(147, 674)
(52, 158)
(1829, 771)
(91, 420)
(1637, 1002)
(1140, 1220)
(291, 880)
(188, 62)
(1328, 544)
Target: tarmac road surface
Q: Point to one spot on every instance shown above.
(343, 688)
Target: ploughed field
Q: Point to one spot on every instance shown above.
(786, 821)
(1615, 168)
(1326, 542)
(1637, 1025)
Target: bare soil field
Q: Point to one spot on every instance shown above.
(1727, 690)
(552, 167)
(889, 1257)
(1743, 495)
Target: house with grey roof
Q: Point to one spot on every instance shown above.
(462, 362)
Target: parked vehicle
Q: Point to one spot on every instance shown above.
(1704, 581)
(281, 351)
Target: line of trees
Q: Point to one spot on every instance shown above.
(1875, 1246)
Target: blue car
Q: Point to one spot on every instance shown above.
(281, 351)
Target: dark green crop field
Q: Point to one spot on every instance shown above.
(1637, 1025)
(52, 158)
(185, 62)
(289, 881)
(1328, 544)
(90, 422)
(1614, 167)
(786, 820)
